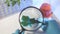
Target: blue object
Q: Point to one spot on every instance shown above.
(53, 27)
(17, 31)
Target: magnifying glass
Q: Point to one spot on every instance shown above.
(30, 19)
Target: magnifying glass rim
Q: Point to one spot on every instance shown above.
(25, 9)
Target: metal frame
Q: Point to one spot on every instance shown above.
(22, 11)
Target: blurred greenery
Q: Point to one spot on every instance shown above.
(13, 2)
(25, 20)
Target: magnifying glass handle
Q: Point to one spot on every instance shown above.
(22, 32)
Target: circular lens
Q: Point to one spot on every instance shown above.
(30, 18)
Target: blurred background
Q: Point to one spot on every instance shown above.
(9, 15)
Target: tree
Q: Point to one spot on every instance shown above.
(13, 2)
(28, 21)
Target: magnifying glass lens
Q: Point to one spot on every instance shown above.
(30, 18)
